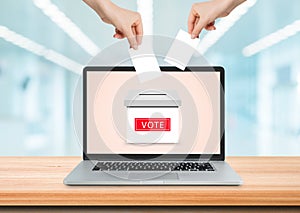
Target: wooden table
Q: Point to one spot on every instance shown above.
(38, 181)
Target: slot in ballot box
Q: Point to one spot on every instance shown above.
(152, 117)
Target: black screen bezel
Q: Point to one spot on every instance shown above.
(215, 157)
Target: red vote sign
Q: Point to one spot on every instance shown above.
(152, 124)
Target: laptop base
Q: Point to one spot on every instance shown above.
(84, 175)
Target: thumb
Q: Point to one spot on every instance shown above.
(198, 28)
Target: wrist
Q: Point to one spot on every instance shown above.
(231, 4)
(100, 6)
(226, 6)
(104, 5)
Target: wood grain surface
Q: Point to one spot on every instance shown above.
(38, 181)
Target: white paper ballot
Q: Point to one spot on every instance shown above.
(145, 62)
(179, 53)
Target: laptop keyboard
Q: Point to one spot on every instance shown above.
(152, 166)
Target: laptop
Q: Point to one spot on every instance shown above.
(167, 130)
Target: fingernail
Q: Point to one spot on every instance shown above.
(135, 47)
(193, 36)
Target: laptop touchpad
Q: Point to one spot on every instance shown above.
(145, 176)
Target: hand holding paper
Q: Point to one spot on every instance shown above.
(182, 50)
(127, 23)
(145, 62)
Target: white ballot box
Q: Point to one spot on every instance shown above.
(152, 117)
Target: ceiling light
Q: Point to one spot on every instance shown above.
(223, 26)
(145, 8)
(272, 39)
(39, 50)
(65, 23)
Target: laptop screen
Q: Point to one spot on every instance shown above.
(172, 112)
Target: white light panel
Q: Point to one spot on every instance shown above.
(272, 39)
(39, 50)
(65, 23)
(145, 8)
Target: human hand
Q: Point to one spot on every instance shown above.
(204, 14)
(127, 23)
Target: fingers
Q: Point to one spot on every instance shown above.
(133, 32)
(134, 36)
(191, 22)
(210, 26)
(118, 34)
(198, 28)
(139, 32)
(196, 24)
(131, 38)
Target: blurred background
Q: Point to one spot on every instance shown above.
(44, 44)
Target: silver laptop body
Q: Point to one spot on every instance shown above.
(147, 168)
